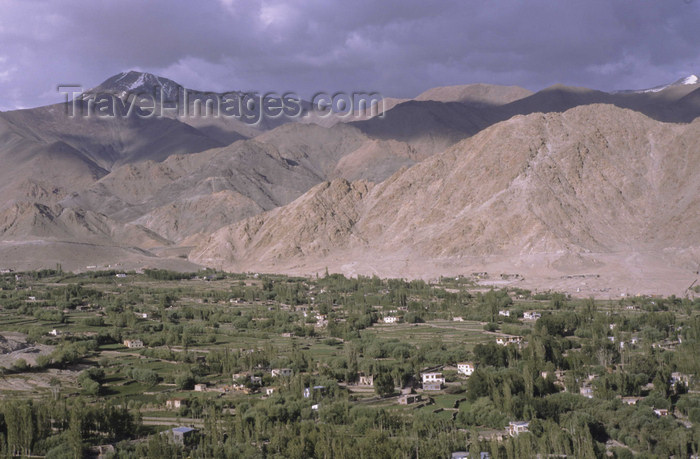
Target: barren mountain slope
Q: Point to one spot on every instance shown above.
(594, 180)
(199, 193)
(39, 171)
(252, 174)
(111, 141)
(316, 224)
(341, 151)
(476, 94)
(429, 127)
(30, 221)
(670, 104)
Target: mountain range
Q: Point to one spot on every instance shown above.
(570, 188)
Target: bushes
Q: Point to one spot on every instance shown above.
(94, 322)
(69, 353)
(91, 381)
(558, 324)
(384, 385)
(145, 376)
(482, 412)
(455, 390)
(185, 381)
(491, 354)
(164, 274)
(49, 315)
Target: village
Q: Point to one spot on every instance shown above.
(187, 352)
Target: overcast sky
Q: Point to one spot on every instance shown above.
(396, 47)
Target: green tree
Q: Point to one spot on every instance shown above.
(384, 384)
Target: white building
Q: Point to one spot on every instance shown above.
(678, 377)
(309, 391)
(504, 313)
(531, 315)
(586, 391)
(506, 340)
(433, 377)
(391, 319)
(466, 368)
(175, 403)
(518, 427)
(133, 343)
(284, 372)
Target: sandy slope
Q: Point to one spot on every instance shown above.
(611, 187)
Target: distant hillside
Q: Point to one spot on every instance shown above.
(593, 180)
(555, 185)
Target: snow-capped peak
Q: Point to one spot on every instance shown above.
(692, 79)
(138, 82)
(131, 82)
(689, 80)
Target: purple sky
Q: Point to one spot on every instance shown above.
(396, 47)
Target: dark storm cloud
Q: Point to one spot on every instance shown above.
(399, 48)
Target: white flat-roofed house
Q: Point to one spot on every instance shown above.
(433, 376)
(531, 315)
(310, 391)
(391, 319)
(466, 368)
(175, 403)
(518, 427)
(680, 378)
(506, 340)
(284, 372)
(433, 380)
(133, 343)
(586, 391)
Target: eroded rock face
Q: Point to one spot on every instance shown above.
(595, 179)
